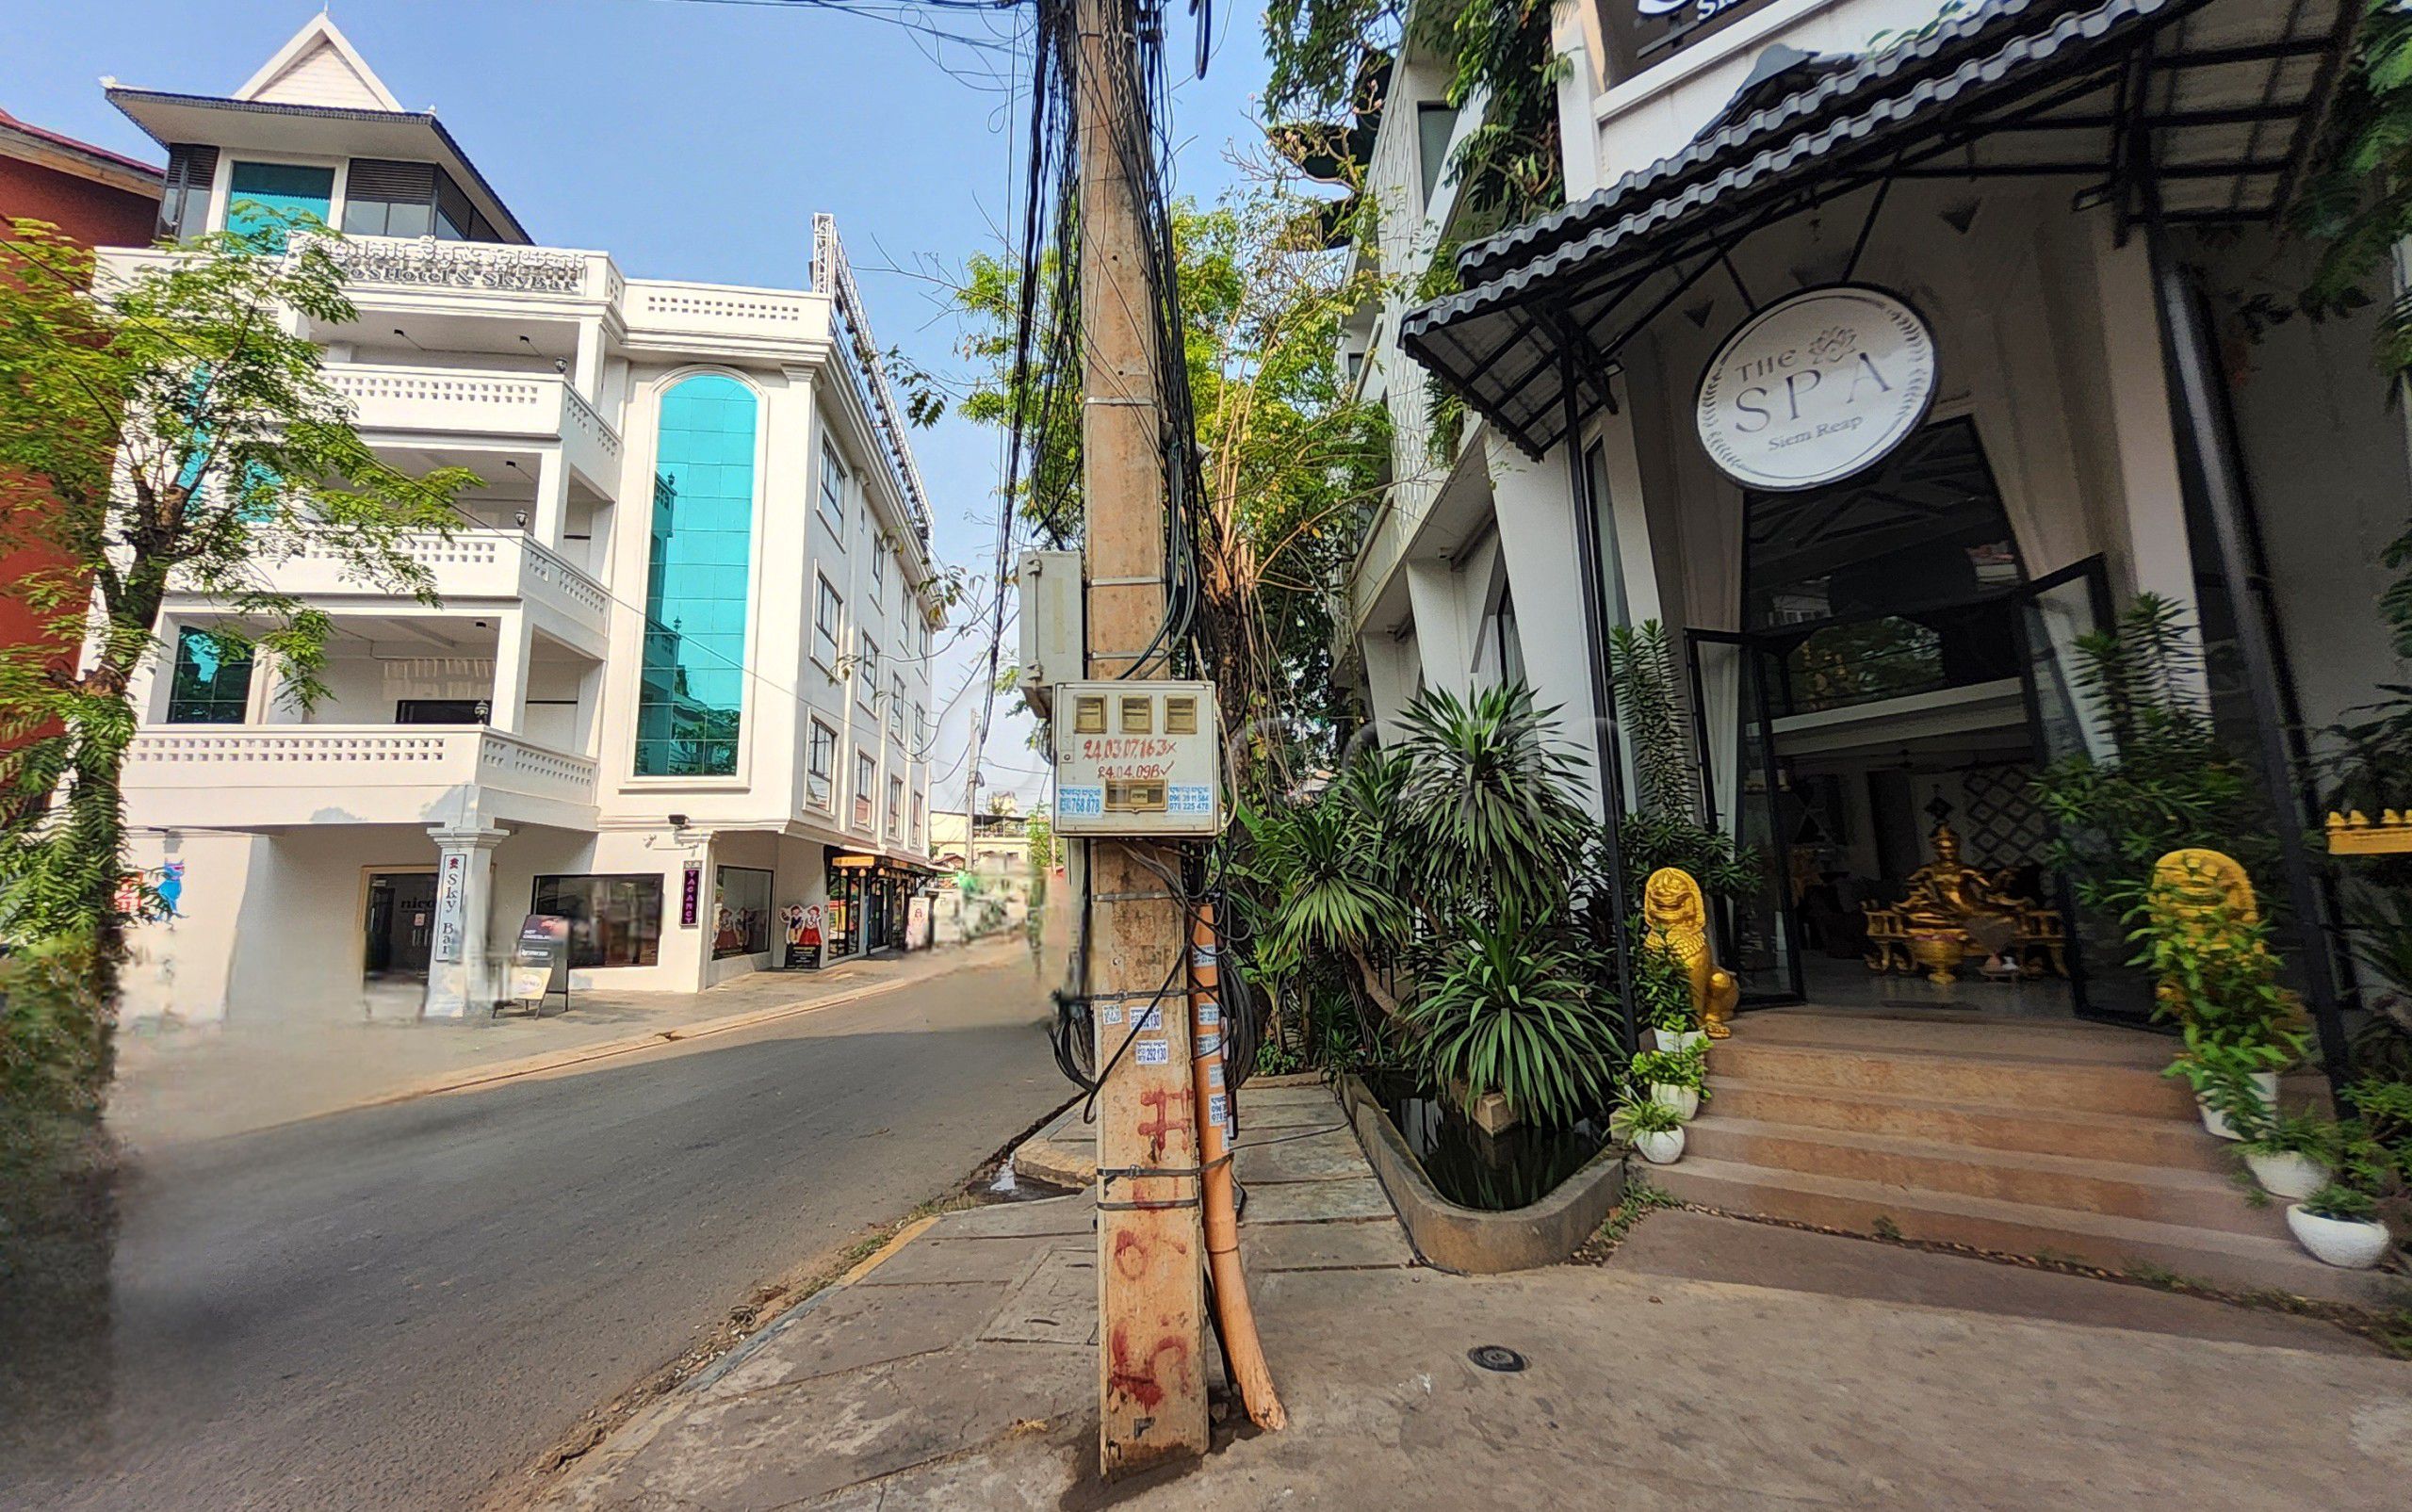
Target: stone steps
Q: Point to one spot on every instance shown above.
(1994, 1078)
(2049, 1138)
(2154, 1192)
(2218, 1257)
(2101, 1136)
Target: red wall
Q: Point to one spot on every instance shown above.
(98, 216)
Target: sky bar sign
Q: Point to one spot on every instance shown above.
(1816, 387)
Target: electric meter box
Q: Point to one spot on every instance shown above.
(1048, 586)
(1137, 758)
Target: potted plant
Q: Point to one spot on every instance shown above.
(2235, 1081)
(2292, 1155)
(2339, 1225)
(1650, 1129)
(1674, 1076)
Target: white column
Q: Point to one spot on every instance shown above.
(551, 515)
(1443, 640)
(514, 637)
(1535, 517)
(587, 373)
(2142, 424)
(462, 972)
(1391, 678)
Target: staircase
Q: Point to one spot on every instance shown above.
(2047, 1137)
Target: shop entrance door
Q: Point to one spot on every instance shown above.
(400, 924)
(1750, 787)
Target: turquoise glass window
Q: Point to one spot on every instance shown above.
(211, 681)
(692, 693)
(270, 188)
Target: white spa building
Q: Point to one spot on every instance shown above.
(679, 680)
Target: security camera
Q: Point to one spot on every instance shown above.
(677, 821)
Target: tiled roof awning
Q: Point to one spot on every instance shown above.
(2221, 98)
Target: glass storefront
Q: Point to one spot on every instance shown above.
(741, 912)
(613, 920)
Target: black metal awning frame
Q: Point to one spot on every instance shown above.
(1570, 326)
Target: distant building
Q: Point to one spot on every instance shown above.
(678, 679)
(98, 199)
(993, 848)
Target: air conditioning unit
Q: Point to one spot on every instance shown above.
(1137, 758)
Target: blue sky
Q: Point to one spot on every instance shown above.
(691, 141)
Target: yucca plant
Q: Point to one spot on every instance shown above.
(1319, 881)
(1487, 806)
(1510, 1009)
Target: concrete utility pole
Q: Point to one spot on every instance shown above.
(1152, 1366)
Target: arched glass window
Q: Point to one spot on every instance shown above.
(694, 688)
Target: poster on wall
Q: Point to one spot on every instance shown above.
(804, 924)
(1816, 387)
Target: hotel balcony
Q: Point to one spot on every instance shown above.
(274, 776)
(477, 572)
(464, 414)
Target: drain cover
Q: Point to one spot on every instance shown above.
(1496, 1358)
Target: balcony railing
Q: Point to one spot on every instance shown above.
(468, 564)
(485, 405)
(282, 774)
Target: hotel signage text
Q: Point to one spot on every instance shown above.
(1816, 387)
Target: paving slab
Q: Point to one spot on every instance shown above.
(952, 1260)
(1053, 1301)
(1712, 1247)
(1075, 1214)
(1288, 1115)
(774, 1448)
(851, 1328)
(1280, 1202)
(1321, 1247)
(1300, 1156)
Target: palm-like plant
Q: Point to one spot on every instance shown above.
(1320, 878)
(1510, 1011)
(1487, 803)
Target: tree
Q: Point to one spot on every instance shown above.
(1294, 462)
(167, 429)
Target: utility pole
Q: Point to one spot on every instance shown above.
(1151, 1365)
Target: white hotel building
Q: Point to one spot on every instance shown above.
(679, 676)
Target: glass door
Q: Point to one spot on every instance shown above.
(1747, 796)
(2055, 611)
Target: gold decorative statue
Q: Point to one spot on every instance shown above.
(1949, 894)
(1677, 917)
(2207, 893)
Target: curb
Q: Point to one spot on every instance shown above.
(606, 1049)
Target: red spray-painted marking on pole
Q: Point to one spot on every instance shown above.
(1161, 1100)
(1144, 1385)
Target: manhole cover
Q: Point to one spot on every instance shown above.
(1496, 1358)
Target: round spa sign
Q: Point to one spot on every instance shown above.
(1816, 387)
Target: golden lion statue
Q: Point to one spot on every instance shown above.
(1677, 920)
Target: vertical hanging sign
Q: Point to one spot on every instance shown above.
(450, 890)
(691, 895)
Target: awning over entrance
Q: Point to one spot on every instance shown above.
(2213, 102)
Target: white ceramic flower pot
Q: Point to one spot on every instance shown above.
(1670, 1039)
(2287, 1174)
(2264, 1082)
(1660, 1150)
(1685, 1100)
(2351, 1244)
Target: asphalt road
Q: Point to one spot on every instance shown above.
(398, 1307)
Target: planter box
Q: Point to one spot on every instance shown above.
(1466, 1239)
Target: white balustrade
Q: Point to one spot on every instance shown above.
(280, 774)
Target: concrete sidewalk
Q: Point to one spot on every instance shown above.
(1711, 1363)
(180, 1084)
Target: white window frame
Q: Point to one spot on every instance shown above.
(820, 741)
(866, 773)
(896, 705)
(827, 637)
(867, 672)
(832, 503)
(895, 809)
